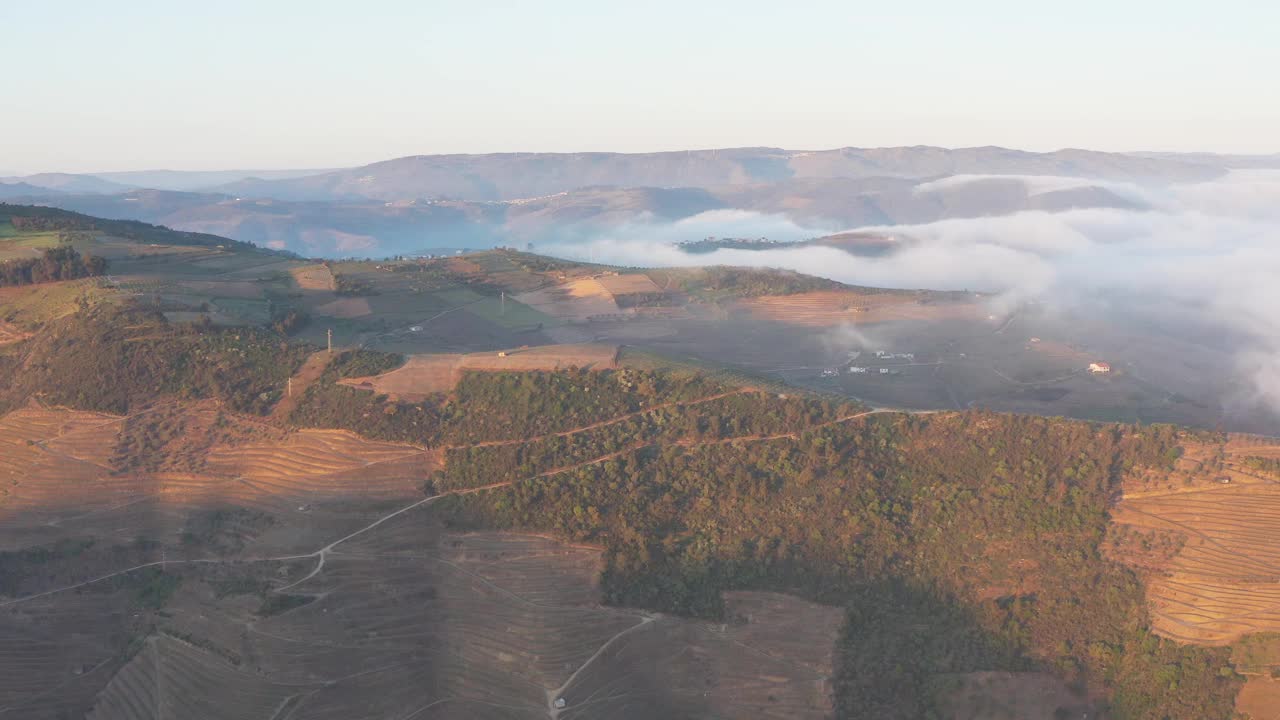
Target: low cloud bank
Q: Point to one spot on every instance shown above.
(1209, 252)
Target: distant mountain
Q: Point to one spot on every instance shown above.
(513, 176)
(22, 189)
(70, 183)
(365, 227)
(311, 228)
(187, 180)
(1235, 162)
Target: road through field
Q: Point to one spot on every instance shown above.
(321, 553)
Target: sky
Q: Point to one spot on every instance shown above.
(142, 84)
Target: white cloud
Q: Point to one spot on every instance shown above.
(1212, 248)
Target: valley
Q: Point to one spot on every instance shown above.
(527, 487)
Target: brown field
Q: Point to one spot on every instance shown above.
(313, 277)
(629, 284)
(464, 266)
(1259, 699)
(772, 660)
(396, 616)
(352, 307)
(425, 375)
(63, 471)
(1225, 580)
(11, 334)
(45, 454)
(575, 301)
(834, 307)
(406, 621)
(321, 463)
(501, 270)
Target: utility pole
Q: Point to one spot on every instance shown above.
(330, 341)
(503, 303)
(290, 391)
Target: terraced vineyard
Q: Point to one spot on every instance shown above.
(300, 574)
(572, 531)
(1225, 581)
(424, 375)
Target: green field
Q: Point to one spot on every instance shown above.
(514, 315)
(458, 296)
(652, 361)
(251, 312)
(36, 304)
(20, 246)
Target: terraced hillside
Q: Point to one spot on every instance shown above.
(303, 571)
(201, 517)
(228, 580)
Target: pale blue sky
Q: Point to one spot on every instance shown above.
(91, 85)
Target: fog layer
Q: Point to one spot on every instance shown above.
(1204, 254)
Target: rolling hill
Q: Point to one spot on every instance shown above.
(526, 175)
(373, 228)
(505, 494)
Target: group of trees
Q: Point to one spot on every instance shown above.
(289, 321)
(36, 218)
(959, 543)
(350, 286)
(110, 358)
(749, 282)
(57, 263)
(956, 542)
(326, 404)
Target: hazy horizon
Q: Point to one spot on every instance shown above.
(19, 172)
(140, 88)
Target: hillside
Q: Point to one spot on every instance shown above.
(213, 516)
(28, 218)
(525, 175)
(375, 228)
(69, 183)
(636, 541)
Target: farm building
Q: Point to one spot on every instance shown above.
(1099, 368)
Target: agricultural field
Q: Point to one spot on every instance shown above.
(33, 305)
(425, 375)
(1223, 583)
(392, 613)
(837, 307)
(1209, 543)
(313, 277)
(782, 327)
(697, 527)
(574, 301)
(321, 463)
(18, 246)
